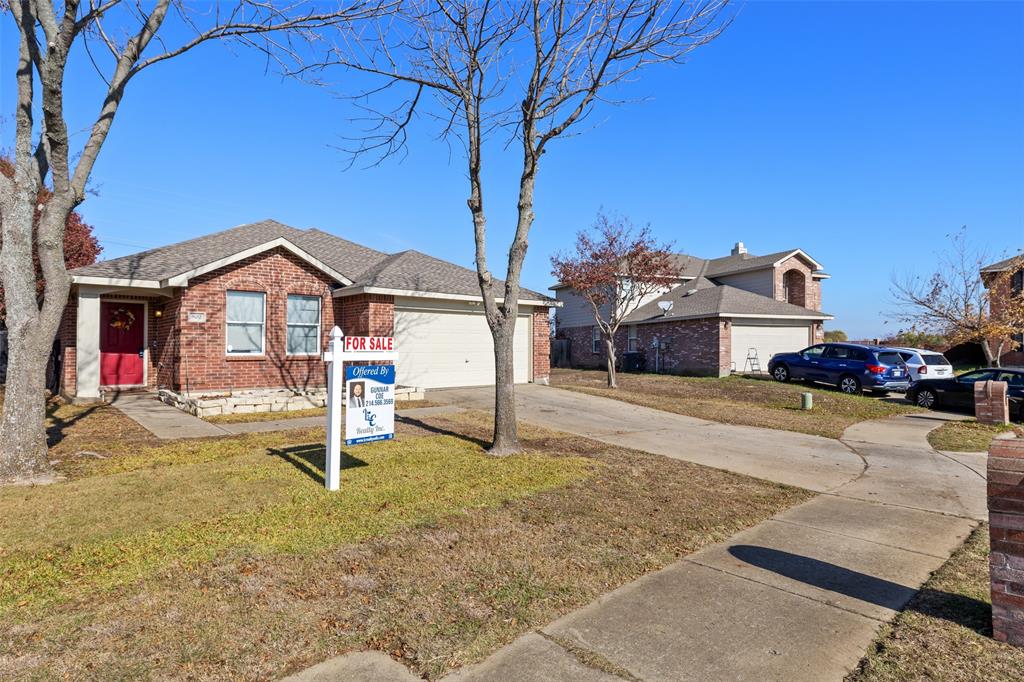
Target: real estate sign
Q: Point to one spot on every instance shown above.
(369, 403)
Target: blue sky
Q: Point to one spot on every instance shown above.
(861, 132)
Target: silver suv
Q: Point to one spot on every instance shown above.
(925, 364)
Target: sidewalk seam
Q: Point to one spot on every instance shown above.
(855, 537)
(587, 657)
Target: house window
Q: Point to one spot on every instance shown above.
(595, 340)
(632, 340)
(303, 325)
(245, 315)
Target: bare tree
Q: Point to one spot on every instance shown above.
(531, 71)
(122, 38)
(962, 305)
(616, 268)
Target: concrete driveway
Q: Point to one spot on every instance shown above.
(800, 596)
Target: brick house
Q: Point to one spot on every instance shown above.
(250, 308)
(1011, 287)
(721, 313)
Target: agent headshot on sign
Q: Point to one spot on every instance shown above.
(356, 399)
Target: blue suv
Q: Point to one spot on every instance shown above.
(849, 366)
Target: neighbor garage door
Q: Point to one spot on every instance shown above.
(444, 348)
(766, 340)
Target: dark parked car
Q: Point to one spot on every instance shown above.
(850, 367)
(959, 391)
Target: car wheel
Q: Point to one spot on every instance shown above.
(849, 384)
(781, 373)
(926, 398)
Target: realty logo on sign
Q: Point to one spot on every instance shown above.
(370, 403)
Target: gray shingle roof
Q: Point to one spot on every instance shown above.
(415, 271)
(167, 261)
(744, 261)
(1003, 264)
(407, 270)
(710, 300)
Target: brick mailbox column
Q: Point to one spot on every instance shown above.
(1006, 535)
(991, 405)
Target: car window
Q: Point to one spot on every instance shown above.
(890, 358)
(933, 359)
(841, 352)
(907, 357)
(814, 351)
(979, 375)
(1012, 378)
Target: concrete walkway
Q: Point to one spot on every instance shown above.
(162, 420)
(167, 422)
(798, 597)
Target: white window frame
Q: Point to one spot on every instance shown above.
(595, 340)
(319, 322)
(228, 323)
(632, 339)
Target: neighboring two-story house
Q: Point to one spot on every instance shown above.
(989, 273)
(724, 315)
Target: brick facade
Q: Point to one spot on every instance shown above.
(796, 276)
(1006, 537)
(193, 356)
(990, 402)
(701, 347)
(541, 345)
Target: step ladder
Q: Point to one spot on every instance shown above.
(753, 364)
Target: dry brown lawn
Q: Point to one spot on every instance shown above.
(225, 558)
(968, 436)
(736, 400)
(945, 633)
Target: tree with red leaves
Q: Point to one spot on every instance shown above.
(80, 245)
(616, 267)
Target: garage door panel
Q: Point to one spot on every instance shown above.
(441, 349)
(767, 340)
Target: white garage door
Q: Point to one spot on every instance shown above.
(439, 349)
(768, 340)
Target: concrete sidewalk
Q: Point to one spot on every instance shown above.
(162, 420)
(167, 422)
(798, 597)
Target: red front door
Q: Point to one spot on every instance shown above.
(122, 343)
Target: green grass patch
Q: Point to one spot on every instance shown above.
(737, 400)
(104, 532)
(968, 436)
(945, 632)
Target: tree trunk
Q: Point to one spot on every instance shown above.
(609, 346)
(23, 422)
(29, 340)
(506, 431)
(992, 358)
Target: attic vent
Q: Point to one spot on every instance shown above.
(689, 292)
(739, 249)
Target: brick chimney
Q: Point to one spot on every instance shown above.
(739, 249)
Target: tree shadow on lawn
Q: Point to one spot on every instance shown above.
(311, 459)
(967, 612)
(56, 430)
(441, 431)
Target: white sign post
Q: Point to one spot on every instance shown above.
(343, 349)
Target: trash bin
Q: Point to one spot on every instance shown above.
(634, 362)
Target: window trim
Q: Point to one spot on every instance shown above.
(263, 325)
(595, 340)
(632, 339)
(319, 325)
